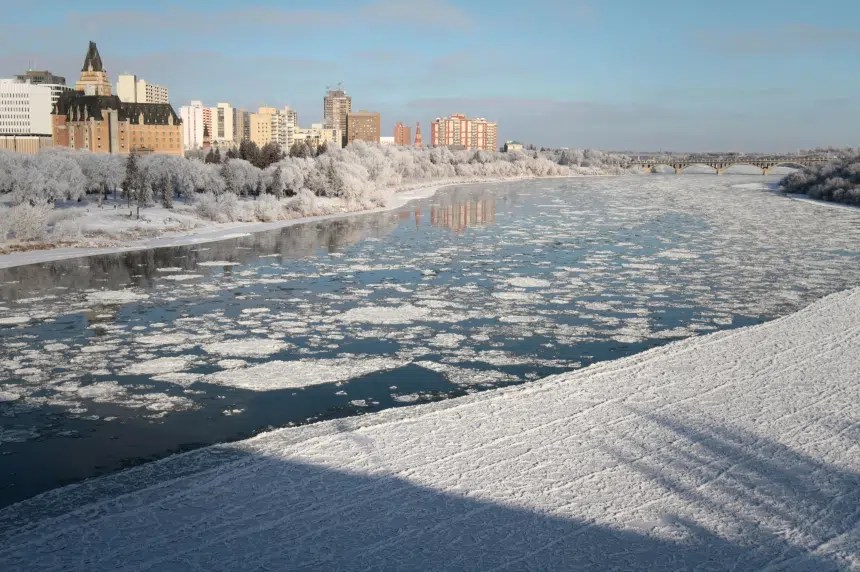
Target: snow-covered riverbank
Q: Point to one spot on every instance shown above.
(183, 226)
(737, 450)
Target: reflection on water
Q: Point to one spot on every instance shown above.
(460, 215)
(109, 361)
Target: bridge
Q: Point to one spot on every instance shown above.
(720, 164)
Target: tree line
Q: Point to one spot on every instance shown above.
(837, 180)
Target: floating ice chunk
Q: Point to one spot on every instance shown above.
(515, 296)
(220, 262)
(162, 339)
(169, 269)
(116, 296)
(358, 403)
(101, 391)
(520, 319)
(232, 363)
(446, 340)
(17, 435)
(159, 365)
(408, 398)
(178, 378)
(302, 373)
(385, 314)
(14, 320)
(526, 282)
(253, 311)
(56, 347)
(9, 396)
(99, 348)
(678, 254)
(254, 347)
(182, 277)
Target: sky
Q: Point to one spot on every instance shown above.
(682, 75)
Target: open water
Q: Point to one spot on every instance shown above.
(110, 361)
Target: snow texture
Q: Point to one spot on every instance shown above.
(735, 451)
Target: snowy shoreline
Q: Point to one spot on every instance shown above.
(213, 232)
(735, 449)
(821, 203)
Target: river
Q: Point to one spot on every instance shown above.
(110, 361)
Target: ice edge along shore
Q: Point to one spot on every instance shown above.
(214, 232)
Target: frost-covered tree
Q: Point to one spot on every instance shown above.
(276, 186)
(837, 180)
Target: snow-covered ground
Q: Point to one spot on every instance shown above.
(112, 229)
(820, 203)
(733, 451)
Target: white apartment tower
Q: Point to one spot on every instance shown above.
(222, 126)
(25, 108)
(192, 125)
(130, 89)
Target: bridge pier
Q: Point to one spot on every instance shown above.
(719, 171)
(678, 170)
(765, 171)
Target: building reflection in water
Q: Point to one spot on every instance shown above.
(460, 215)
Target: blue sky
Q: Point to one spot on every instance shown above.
(747, 75)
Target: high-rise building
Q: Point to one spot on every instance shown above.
(25, 116)
(402, 135)
(94, 79)
(462, 132)
(271, 125)
(192, 125)
(130, 89)
(419, 143)
(55, 82)
(362, 125)
(337, 105)
(222, 126)
(261, 127)
(241, 126)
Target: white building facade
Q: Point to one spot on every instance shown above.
(222, 126)
(25, 109)
(192, 125)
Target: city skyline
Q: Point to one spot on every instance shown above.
(579, 74)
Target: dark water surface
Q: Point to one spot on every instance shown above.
(110, 361)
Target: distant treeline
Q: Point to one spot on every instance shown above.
(837, 181)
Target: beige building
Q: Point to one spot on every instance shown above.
(273, 125)
(25, 143)
(94, 79)
(130, 89)
(364, 125)
(104, 124)
(337, 106)
(261, 127)
(461, 132)
(318, 133)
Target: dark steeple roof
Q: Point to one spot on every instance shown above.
(93, 59)
(78, 107)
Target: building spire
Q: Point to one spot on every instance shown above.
(93, 61)
(418, 142)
